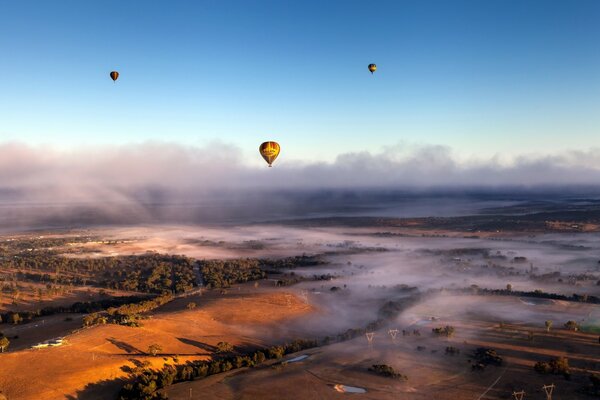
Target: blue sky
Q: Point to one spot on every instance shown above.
(483, 77)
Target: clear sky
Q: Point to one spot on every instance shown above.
(484, 77)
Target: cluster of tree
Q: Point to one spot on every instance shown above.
(451, 350)
(80, 307)
(224, 273)
(147, 384)
(349, 334)
(291, 278)
(387, 371)
(556, 366)
(150, 272)
(94, 319)
(293, 262)
(484, 357)
(447, 331)
(127, 314)
(390, 309)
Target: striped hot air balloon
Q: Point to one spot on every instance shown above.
(114, 75)
(269, 151)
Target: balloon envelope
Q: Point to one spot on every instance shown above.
(269, 151)
(114, 75)
(372, 68)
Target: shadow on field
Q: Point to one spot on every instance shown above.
(125, 346)
(200, 345)
(105, 389)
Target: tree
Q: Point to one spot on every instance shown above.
(154, 349)
(509, 287)
(15, 318)
(447, 331)
(224, 347)
(191, 305)
(557, 366)
(572, 326)
(4, 343)
(548, 325)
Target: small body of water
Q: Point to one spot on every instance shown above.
(424, 322)
(348, 389)
(536, 302)
(296, 359)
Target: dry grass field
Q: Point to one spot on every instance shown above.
(100, 353)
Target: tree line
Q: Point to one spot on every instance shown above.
(127, 314)
(148, 383)
(149, 273)
(582, 298)
(80, 307)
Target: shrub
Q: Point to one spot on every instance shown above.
(387, 371)
(556, 366)
(447, 331)
(485, 357)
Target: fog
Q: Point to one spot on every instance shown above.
(211, 204)
(370, 270)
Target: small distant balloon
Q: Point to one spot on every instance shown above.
(269, 151)
(372, 68)
(114, 75)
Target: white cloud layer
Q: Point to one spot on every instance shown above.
(121, 173)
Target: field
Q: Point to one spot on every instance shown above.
(131, 299)
(104, 353)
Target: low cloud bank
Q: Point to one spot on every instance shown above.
(155, 172)
(165, 182)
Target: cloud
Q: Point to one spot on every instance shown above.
(156, 182)
(139, 172)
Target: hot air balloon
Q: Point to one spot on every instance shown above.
(269, 151)
(114, 75)
(372, 68)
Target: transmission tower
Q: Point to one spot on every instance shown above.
(519, 395)
(548, 389)
(393, 333)
(370, 336)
